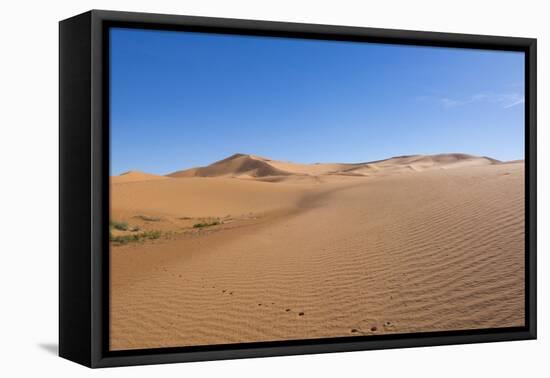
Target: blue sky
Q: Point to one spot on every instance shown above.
(180, 100)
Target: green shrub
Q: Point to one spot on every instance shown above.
(206, 224)
(150, 235)
(122, 226)
(125, 239)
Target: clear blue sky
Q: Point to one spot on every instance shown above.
(180, 100)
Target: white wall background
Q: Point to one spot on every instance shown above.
(29, 185)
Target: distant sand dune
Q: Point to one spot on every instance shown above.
(420, 163)
(422, 243)
(135, 176)
(251, 166)
(235, 165)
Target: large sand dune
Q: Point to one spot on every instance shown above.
(408, 244)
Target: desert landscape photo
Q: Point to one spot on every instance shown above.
(272, 203)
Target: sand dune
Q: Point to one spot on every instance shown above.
(199, 196)
(135, 176)
(238, 165)
(417, 163)
(425, 243)
(252, 166)
(310, 169)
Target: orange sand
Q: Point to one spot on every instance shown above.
(409, 244)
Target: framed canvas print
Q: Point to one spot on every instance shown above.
(234, 188)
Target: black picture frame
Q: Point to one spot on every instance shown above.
(84, 188)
